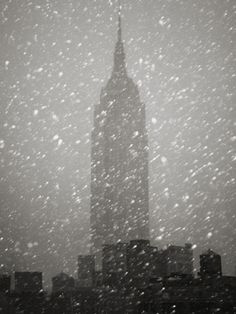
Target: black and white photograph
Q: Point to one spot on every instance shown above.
(117, 156)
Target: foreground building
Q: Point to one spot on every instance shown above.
(179, 259)
(119, 169)
(28, 282)
(86, 271)
(5, 283)
(128, 283)
(114, 264)
(62, 282)
(210, 264)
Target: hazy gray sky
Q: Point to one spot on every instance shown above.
(55, 57)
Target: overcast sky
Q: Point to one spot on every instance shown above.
(55, 57)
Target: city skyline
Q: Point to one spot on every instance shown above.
(135, 277)
(181, 56)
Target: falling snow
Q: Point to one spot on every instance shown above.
(55, 58)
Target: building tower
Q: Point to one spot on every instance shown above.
(210, 264)
(119, 161)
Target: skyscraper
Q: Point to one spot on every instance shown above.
(119, 161)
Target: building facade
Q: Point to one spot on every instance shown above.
(5, 283)
(28, 282)
(114, 263)
(119, 161)
(86, 271)
(178, 259)
(210, 264)
(138, 263)
(62, 283)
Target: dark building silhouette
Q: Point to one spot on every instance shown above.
(138, 263)
(119, 167)
(114, 264)
(28, 282)
(62, 283)
(86, 271)
(5, 283)
(98, 278)
(210, 264)
(179, 259)
(128, 284)
(157, 263)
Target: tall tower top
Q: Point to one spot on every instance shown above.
(119, 67)
(119, 23)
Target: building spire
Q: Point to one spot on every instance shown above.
(119, 67)
(119, 23)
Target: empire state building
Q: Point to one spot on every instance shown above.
(119, 161)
